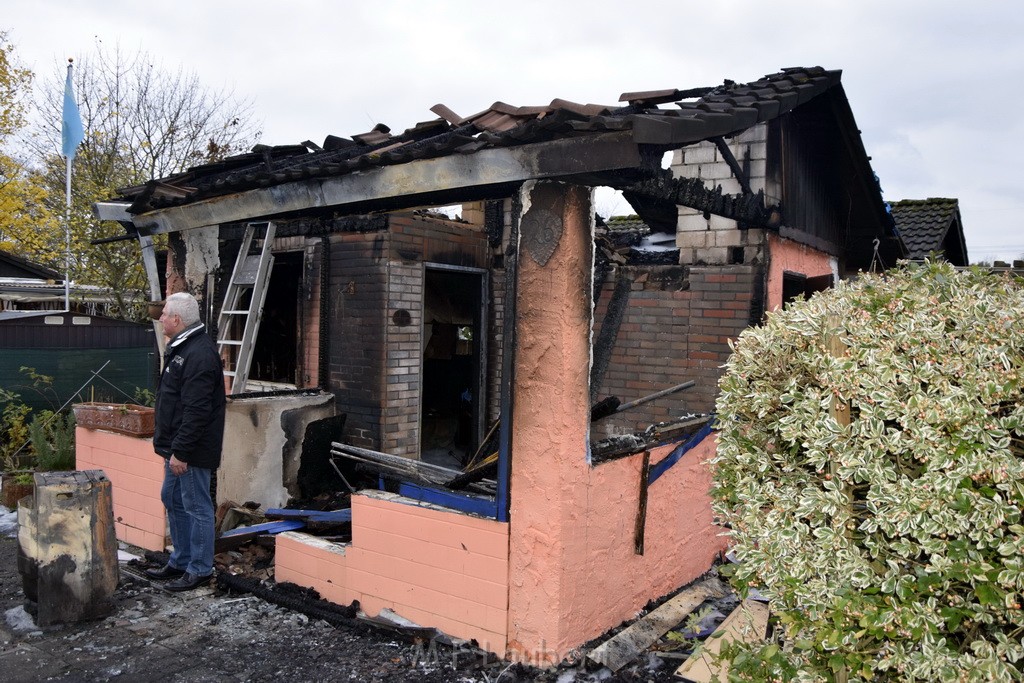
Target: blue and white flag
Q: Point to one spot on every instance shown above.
(71, 133)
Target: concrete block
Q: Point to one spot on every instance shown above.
(695, 239)
(729, 237)
(720, 223)
(712, 255)
(712, 173)
(702, 153)
(756, 133)
(754, 237)
(758, 151)
(730, 185)
(691, 222)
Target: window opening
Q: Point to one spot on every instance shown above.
(451, 405)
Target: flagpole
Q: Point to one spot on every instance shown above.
(67, 236)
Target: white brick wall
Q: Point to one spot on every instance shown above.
(690, 222)
(714, 172)
(695, 239)
(730, 185)
(708, 240)
(701, 153)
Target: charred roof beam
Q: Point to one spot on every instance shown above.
(734, 166)
(748, 209)
(382, 187)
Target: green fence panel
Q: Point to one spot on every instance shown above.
(121, 374)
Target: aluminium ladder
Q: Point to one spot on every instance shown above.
(237, 324)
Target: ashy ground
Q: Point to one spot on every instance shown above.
(214, 635)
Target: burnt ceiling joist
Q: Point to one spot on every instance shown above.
(738, 172)
(486, 174)
(657, 199)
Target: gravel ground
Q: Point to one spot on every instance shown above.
(215, 635)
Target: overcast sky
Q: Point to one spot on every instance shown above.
(936, 86)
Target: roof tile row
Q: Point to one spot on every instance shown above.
(718, 111)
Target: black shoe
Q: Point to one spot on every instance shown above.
(165, 572)
(187, 582)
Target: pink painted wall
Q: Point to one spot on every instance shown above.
(787, 255)
(136, 474)
(433, 566)
(572, 567)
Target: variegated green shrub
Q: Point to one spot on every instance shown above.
(891, 546)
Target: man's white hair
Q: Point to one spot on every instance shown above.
(184, 305)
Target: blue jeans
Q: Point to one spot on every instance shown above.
(190, 517)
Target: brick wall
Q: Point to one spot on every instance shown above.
(717, 240)
(136, 474)
(309, 360)
(435, 567)
(413, 241)
(495, 344)
(356, 304)
(676, 327)
(376, 327)
(403, 341)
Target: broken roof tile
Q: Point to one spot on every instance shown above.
(582, 109)
(446, 114)
(651, 96)
(373, 137)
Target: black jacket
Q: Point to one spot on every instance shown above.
(190, 401)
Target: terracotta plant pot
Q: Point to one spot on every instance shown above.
(124, 418)
(12, 491)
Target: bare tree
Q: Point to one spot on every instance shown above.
(141, 122)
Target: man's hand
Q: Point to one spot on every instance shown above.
(178, 467)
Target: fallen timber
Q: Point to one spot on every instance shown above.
(416, 471)
(627, 444)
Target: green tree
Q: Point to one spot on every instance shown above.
(22, 195)
(141, 122)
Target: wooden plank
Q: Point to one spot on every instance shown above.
(230, 540)
(265, 528)
(622, 648)
(748, 622)
(641, 513)
(344, 515)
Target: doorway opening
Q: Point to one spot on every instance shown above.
(276, 352)
(454, 334)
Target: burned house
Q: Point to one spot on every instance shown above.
(389, 327)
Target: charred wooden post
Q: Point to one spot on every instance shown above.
(67, 551)
(641, 513)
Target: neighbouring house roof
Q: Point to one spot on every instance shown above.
(931, 226)
(14, 266)
(631, 223)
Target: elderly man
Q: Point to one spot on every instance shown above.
(189, 431)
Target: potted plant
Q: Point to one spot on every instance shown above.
(124, 418)
(16, 485)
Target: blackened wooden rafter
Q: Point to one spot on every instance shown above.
(749, 209)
